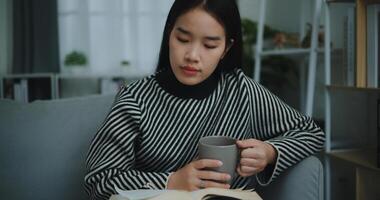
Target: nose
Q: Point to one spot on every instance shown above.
(192, 54)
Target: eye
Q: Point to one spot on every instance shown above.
(182, 40)
(210, 46)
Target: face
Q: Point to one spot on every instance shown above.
(196, 45)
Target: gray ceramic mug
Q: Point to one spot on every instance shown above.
(220, 148)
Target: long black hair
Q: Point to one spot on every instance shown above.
(225, 12)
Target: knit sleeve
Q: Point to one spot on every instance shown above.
(294, 136)
(111, 158)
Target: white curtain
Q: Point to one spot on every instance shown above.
(111, 31)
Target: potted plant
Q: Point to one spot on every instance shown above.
(76, 60)
(125, 63)
(249, 31)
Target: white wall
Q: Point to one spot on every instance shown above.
(249, 9)
(5, 36)
(283, 15)
(111, 31)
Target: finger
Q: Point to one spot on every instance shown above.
(203, 163)
(248, 170)
(212, 184)
(242, 173)
(216, 176)
(248, 162)
(247, 143)
(249, 153)
(253, 153)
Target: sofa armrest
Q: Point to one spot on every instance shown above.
(302, 181)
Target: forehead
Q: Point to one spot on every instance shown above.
(200, 23)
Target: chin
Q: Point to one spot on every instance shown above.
(189, 81)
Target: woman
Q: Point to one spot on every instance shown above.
(149, 139)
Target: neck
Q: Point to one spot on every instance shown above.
(169, 83)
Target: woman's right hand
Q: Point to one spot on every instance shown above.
(192, 177)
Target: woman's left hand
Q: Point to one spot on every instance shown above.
(255, 156)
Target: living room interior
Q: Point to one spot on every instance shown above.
(321, 57)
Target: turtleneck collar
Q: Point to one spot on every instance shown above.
(167, 80)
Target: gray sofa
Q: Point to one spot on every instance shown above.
(43, 147)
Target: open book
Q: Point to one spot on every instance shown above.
(203, 194)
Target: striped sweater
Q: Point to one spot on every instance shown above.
(150, 133)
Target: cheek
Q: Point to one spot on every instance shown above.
(175, 51)
(213, 58)
(172, 54)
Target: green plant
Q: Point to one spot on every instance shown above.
(75, 58)
(125, 63)
(249, 32)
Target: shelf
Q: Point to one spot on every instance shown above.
(32, 75)
(340, 1)
(372, 1)
(361, 157)
(41, 86)
(353, 1)
(104, 76)
(288, 51)
(352, 88)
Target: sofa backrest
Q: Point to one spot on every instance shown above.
(43, 146)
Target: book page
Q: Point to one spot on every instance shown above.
(235, 193)
(139, 194)
(174, 195)
(184, 195)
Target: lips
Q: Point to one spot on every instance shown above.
(189, 70)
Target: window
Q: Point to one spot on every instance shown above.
(112, 31)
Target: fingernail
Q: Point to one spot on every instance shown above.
(220, 163)
(228, 177)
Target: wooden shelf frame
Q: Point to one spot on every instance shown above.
(361, 44)
(360, 157)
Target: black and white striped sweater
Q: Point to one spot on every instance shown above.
(150, 132)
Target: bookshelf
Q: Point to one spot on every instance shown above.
(361, 67)
(27, 87)
(361, 45)
(355, 174)
(372, 1)
(352, 140)
(30, 87)
(373, 42)
(312, 51)
(352, 115)
(81, 85)
(365, 158)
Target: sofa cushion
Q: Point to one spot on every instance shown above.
(43, 146)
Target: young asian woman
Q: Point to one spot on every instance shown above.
(149, 138)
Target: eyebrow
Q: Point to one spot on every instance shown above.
(214, 38)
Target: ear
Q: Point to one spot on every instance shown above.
(229, 45)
